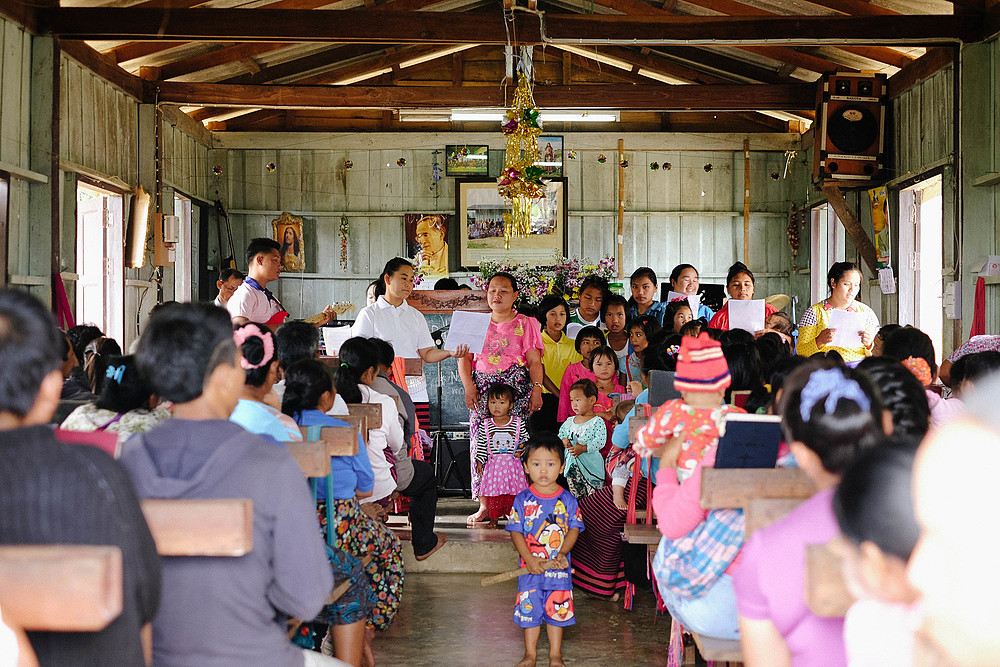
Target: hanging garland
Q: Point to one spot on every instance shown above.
(345, 233)
(520, 182)
(793, 236)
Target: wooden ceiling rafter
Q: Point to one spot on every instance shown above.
(379, 26)
(651, 98)
(378, 65)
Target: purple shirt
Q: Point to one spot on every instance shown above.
(769, 583)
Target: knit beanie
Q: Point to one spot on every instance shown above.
(701, 365)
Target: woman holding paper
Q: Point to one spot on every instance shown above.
(400, 324)
(512, 354)
(684, 281)
(838, 322)
(740, 285)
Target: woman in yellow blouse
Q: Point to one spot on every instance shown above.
(815, 334)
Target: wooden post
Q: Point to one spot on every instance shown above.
(44, 203)
(851, 224)
(746, 201)
(621, 205)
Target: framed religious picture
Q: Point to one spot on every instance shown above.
(550, 155)
(466, 160)
(288, 234)
(481, 218)
(427, 242)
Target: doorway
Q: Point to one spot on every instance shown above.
(100, 290)
(828, 245)
(921, 211)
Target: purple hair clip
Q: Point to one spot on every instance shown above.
(832, 384)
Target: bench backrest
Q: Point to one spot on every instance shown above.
(825, 592)
(634, 424)
(338, 440)
(735, 487)
(373, 412)
(358, 422)
(311, 457)
(201, 527)
(61, 587)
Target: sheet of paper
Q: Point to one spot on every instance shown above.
(468, 328)
(694, 300)
(847, 325)
(746, 315)
(333, 338)
(886, 280)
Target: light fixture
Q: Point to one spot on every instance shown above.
(554, 116)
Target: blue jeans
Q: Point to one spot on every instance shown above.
(712, 615)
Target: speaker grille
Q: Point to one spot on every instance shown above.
(852, 129)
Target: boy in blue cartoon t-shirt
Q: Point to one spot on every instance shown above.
(544, 524)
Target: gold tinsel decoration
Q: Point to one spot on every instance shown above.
(520, 182)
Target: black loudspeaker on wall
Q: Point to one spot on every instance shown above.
(850, 117)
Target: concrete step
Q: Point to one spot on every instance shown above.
(469, 550)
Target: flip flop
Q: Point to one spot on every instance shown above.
(442, 538)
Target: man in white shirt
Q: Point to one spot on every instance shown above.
(228, 282)
(252, 301)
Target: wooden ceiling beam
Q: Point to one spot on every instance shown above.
(135, 50)
(377, 65)
(644, 61)
(652, 98)
(104, 67)
(934, 60)
(723, 63)
(308, 64)
(222, 56)
(384, 27)
(854, 7)
(730, 7)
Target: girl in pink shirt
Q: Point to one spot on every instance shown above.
(828, 416)
(588, 339)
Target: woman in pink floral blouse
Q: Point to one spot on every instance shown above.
(512, 354)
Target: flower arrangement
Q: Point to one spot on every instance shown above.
(535, 282)
(345, 232)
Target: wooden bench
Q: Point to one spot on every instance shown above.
(371, 411)
(825, 593)
(200, 526)
(338, 440)
(61, 587)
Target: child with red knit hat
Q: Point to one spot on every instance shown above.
(702, 377)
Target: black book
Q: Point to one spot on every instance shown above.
(749, 441)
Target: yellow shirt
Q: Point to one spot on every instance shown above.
(557, 356)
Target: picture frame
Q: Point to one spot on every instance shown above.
(550, 155)
(479, 220)
(462, 160)
(288, 233)
(427, 236)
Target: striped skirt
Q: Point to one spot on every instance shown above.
(598, 562)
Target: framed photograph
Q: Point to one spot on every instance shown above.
(481, 209)
(288, 234)
(550, 155)
(427, 242)
(464, 160)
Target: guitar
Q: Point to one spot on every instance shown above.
(230, 261)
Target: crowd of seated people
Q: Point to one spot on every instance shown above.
(205, 404)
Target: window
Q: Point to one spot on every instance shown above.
(827, 246)
(921, 209)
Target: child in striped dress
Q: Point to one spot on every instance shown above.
(499, 442)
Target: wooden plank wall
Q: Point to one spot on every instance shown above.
(15, 104)
(668, 218)
(980, 148)
(185, 163)
(98, 125)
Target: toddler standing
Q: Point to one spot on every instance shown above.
(702, 377)
(544, 524)
(499, 441)
(584, 436)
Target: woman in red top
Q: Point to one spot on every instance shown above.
(740, 285)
